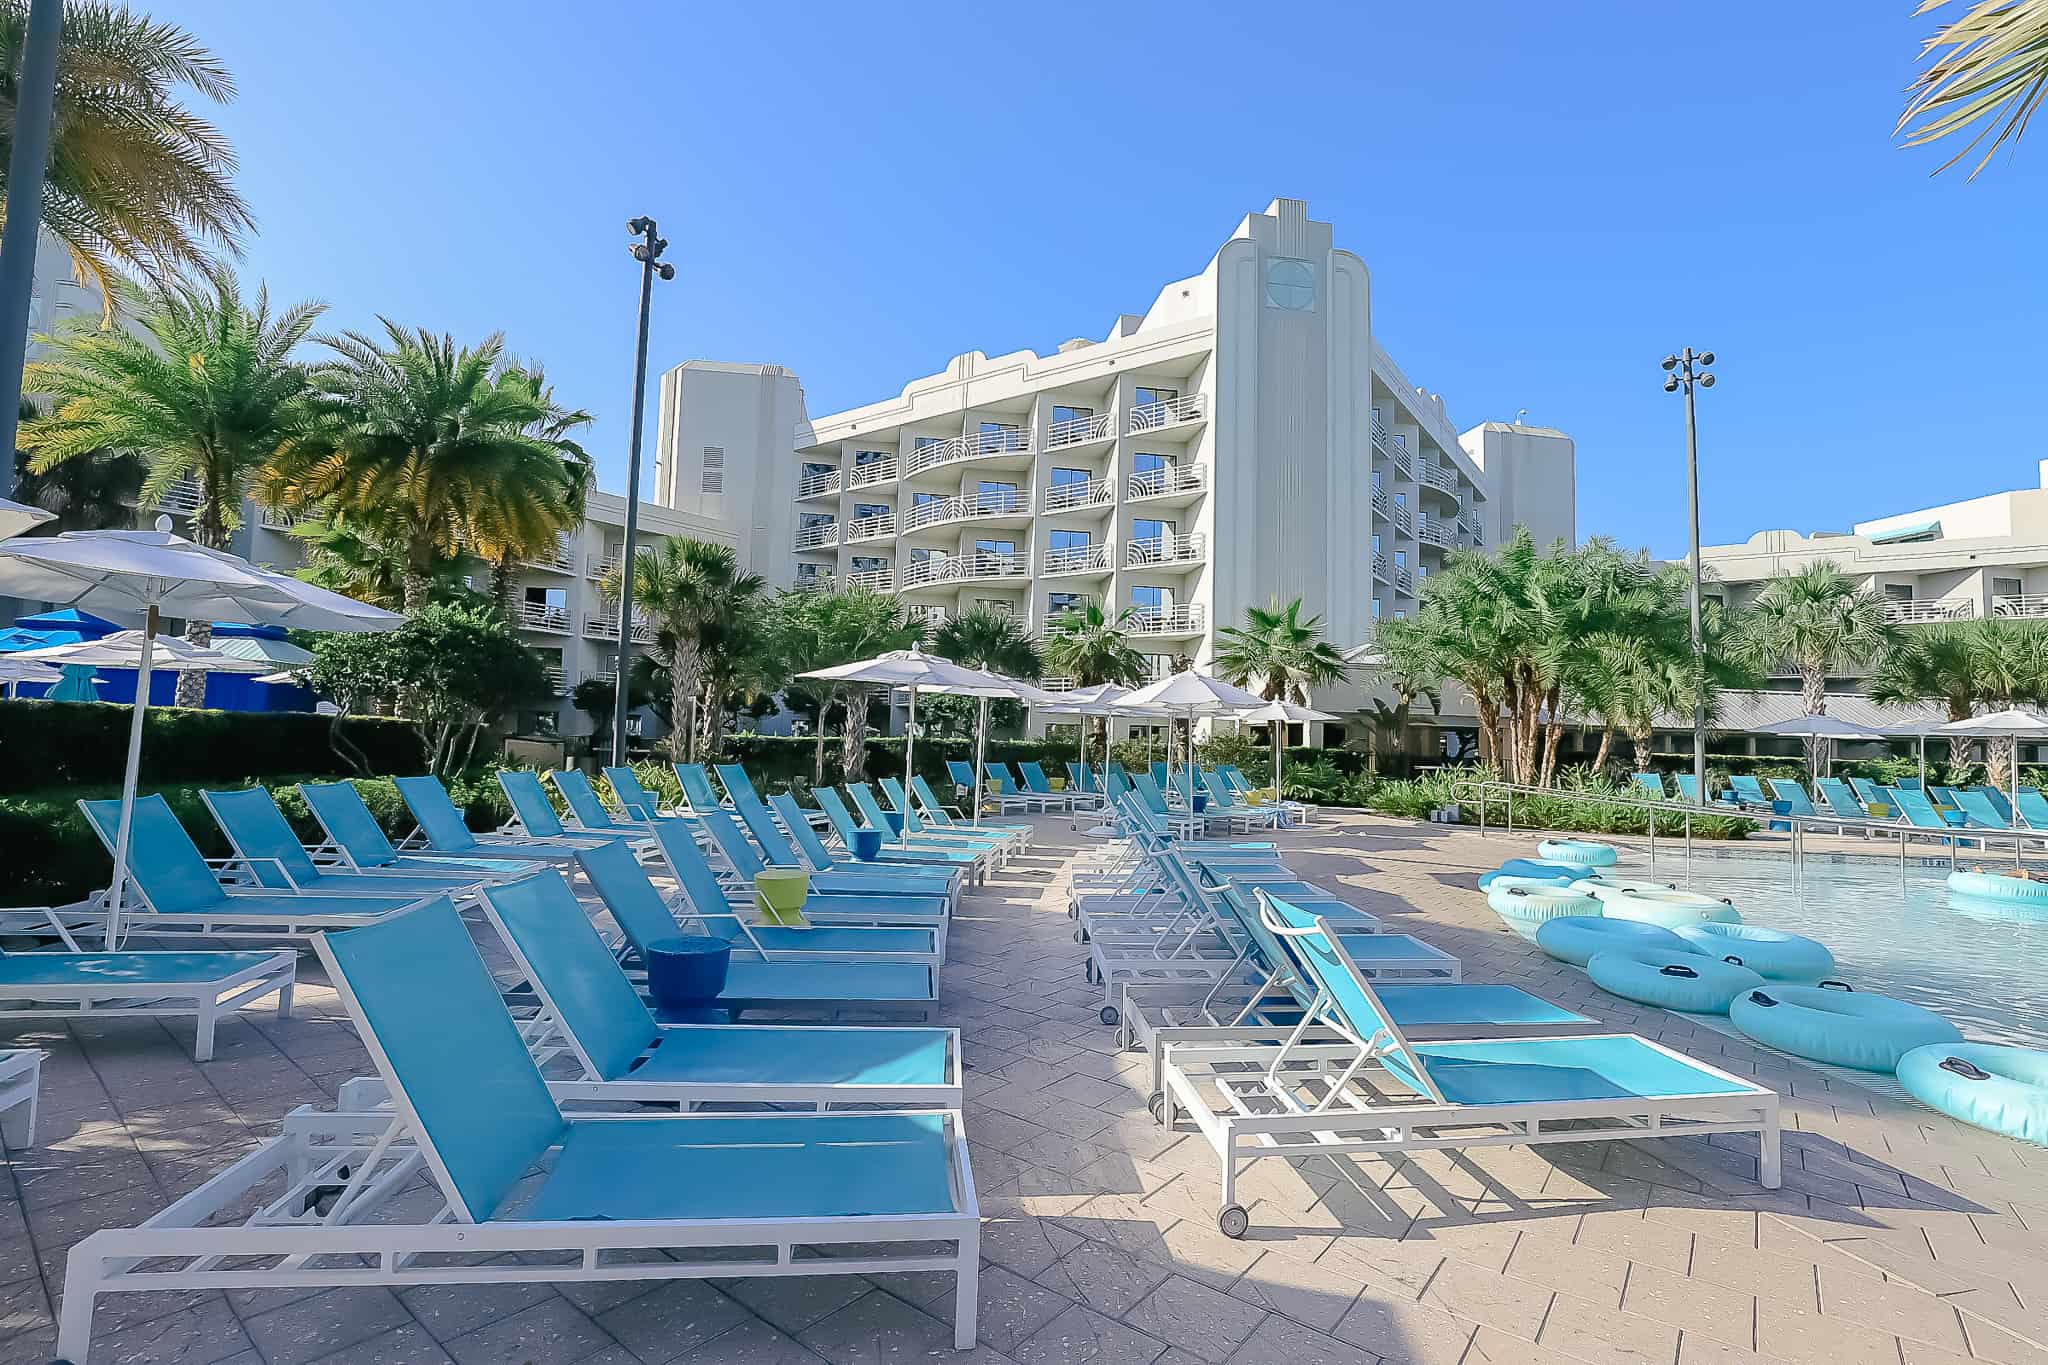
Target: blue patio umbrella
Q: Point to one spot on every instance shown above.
(77, 685)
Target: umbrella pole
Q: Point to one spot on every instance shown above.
(909, 758)
(1923, 763)
(129, 776)
(1279, 761)
(980, 748)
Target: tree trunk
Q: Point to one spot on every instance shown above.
(818, 750)
(682, 701)
(1813, 694)
(416, 584)
(1641, 737)
(1553, 735)
(1606, 749)
(502, 585)
(1999, 753)
(853, 742)
(192, 686)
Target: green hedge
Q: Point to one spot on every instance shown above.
(53, 857)
(64, 744)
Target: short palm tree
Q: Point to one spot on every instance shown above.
(1280, 652)
(443, 446)
(1968, 667)
(95, 491)
(1092, 647)
(1818, 622)
(993, 641)
(825, 629)
(208, 392)
(136, 181)
(689, 587)
(1989, 71)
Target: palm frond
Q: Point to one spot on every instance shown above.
(1987, 69)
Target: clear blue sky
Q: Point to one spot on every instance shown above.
(1549, 199)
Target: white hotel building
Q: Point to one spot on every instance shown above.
(1245, 438)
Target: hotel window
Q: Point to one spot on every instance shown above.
(925, 499)
(1146, 529)
(996, 497)
(863, 510)
(861, 457)
(811, 519)
(1400, 559)
(1069, 540)
(918, 443)
(1006, 549)
(1375, 608)
(2007, 587)
(1067, 478)
(1061, 414)
(1058, 603)
(814, 470)
(1002, 436)
(714, 469)
(1400, 499)
(811, 573)
(869, 564)
(999, 606)
(1375, 544)
(1899, 592)
(1145, 397)
(1400, 615)
(1149, 601)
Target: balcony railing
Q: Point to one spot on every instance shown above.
(1191, 407)
(181, 498)
(558, 681)
(959, 568)
(873, 472)
(1382, 505)
(1077, 430)
(1404, 520)
(1935, 609)
(1469, 522)
(603, 566)
(1435, 531)
(874, 580)
(818, 485)
(1381, 437)
(1059, 683)
(541, 616)
(563, 560)
(1168, 621)
(1379, 565)
(1437, 476)
(1403, 458)
(1066, 497)
(1158, 483)
(2029, 605)
(818, 536)
(279, 518)
(604, 625)
(1004, 441)
(968, 507)
(813, 582)
(1075, 559)
(1404, 579)
(1167, 550)
(871, 528)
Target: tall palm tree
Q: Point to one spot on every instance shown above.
(136, 182)
(350, 553)
(1818, 622)
(993, 641)
(740, 653)
(443, 446)
(95, 491)
(209, 394)
(1281, 652)
(507, 531)
(1989, 70)
(689, 587)
(1968, 667)
(825, 629)
(1092, 647)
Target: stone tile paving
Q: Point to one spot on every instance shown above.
(1900, 1237)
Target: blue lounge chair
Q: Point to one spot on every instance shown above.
(1393, 1094)
(520, 1183)
(1688, 787)
(264, 841)
(1841, 799)
(442, 829)
(206, 986)
(589, 809)
(914, 853)
(1005, 798)
(697, 792)
(940, 817)
(993, 844)
(353, 832)
(625, 1056)
(1867, 791)
(535, 815)
(1999, 802)
(1036, 783)
(1944, 796)
(645, 919)
(834, 897)
(853, 879)
(1919, 811)
(1793, 795)
(1912, 783)
(1979, 813)
(1265, 815)
(897, 874)
(1651, 785)
(2033, 808)
(632, 793)
(180, 894)
(1749, 791)
(1083, 779)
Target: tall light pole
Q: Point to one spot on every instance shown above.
(34, 95)
(647, 251)
(1688, 370)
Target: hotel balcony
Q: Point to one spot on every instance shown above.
(1435, 531)
(604, 625)
(1175, 483)
(1379, 566)
(873, 472)
(559, 682)
(1404, 580)
(1906, 612)
(2028, 606)
(1080, 431)
(278, 518)
(813, 582)
(1382, 505)
(541, 616)
(1432, 475)
(818, 485)
(1007, 443)
(874, 580)
(1171, 621)
(603, 566)
(1013, 508)
(823, 536)
(563, 560)
(1186, 411)
(181, 498)
(1059, 683)
(1157, 550)
(1078, 497)
(882, 527)
(1394, 447)
(1404, 520)
(1469, 522)
(1084, 559)
(980, 566)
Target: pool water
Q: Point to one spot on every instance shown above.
(1982, 965)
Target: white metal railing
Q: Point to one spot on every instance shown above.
(1167, 621)
(813, 582)
(605, 566)
(1380, 502)
(1404, 462)
(1379, 565)
(1003, 440)
(1436, 476)
(1404, 579)
(1935, 609)
(1076, 430)
(1012, 502)
(1404, 520)
(1381, 437)
(541, 616)
(563, 560)
(558, 681)
(873, 472)
(818, 485)
(818, 535)
(874, 580)
(1434, 531)
(181, 497)
(1177, 478)
(1060, 683)
(2024, 604)
(1167, 549)
(927, 513)
(1064, 497)
(1075, 559)
(1169, 412)
(871, 528)
(280, 519)
(959, 568)
(604, 625)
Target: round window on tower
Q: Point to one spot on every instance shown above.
(1291, 285)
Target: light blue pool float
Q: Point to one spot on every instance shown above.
(1604, 887)
(1583, 852)
(1524, 905)
(1533, 869)
(1991, 886)
(1845, 1027)
(2003, 1089)
(1770, 953)
(1669, 908)
(1576, 938)
(1674, 980)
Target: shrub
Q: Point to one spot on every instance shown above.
(1583, 803)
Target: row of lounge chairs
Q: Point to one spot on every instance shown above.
(1851, 803)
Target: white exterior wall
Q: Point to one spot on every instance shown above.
(1533, 472)
(748, 413)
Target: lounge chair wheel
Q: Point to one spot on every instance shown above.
(1234, 1221)
(1156, 1106)
(1110, 1016)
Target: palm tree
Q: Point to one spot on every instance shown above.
(349, 554)
(1968, 667)
(1092, 647)
(742, 657)
(507, 531)
(824, 629)
(689, 587)
(95, 491)
(135, 181)
(993, 641)
(210, 396)
(1284, 654)
(1819, 622)
(1991, 73)
(442, 446)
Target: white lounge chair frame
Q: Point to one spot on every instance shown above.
(21, 1074)
(206, 1001)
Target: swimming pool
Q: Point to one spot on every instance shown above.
(1984, 967)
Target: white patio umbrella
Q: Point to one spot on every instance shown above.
(914, 669)
(1816, 727)
(160, 574)
(1084, 702)
(1277, 714)
(16, 517)
(1189, 695)
(13, 669)
(2013, 723)
(125, 649)
(277, 653)
(992, 685)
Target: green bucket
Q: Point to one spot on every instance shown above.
(779, 896)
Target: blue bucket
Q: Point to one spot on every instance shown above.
(867, 844)
(688, 972)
